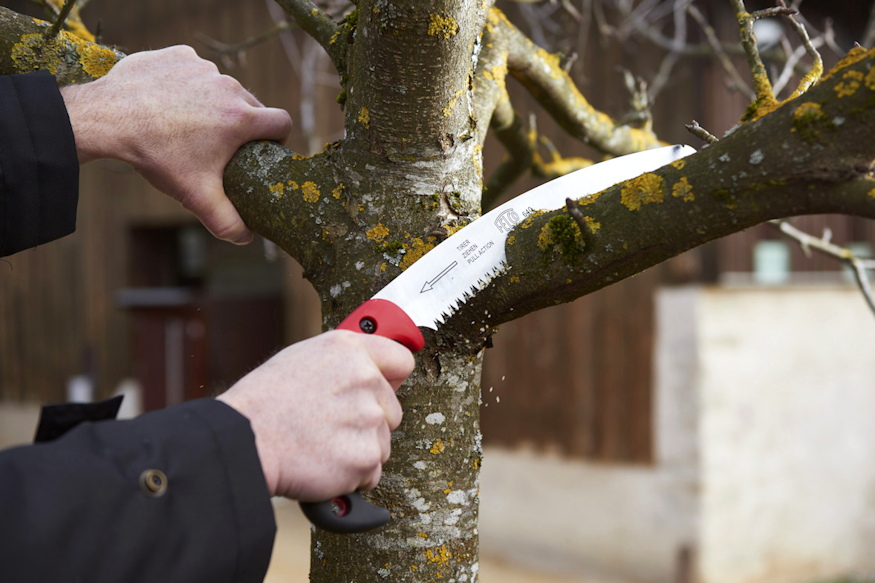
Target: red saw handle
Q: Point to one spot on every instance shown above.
(350, 512)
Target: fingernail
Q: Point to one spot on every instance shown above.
(243, 238)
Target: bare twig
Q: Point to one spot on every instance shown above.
(639, 99)
(60, 20)
(578, 217)
(225, 50)
(858, 265)
(765, 95)
(795, 56)
(701, 133)
(318, 25)
(572, 10)
(813, 75)
(869, 35)
(780, 10)
(711, 35)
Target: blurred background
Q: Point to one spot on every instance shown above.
(709, 420)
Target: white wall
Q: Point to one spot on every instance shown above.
(765, 421)
(787, 397)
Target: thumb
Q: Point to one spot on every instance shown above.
(213, 208)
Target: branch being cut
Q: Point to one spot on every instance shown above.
(811, 155)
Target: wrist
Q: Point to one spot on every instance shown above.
(95, 128)
(267, 461)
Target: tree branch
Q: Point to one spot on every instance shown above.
(322, 28)
(225, 50)
(70, 58)
(811, 155)
(541, 73)
(63, 13)
(66, 13)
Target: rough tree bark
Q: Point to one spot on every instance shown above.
(423, 80)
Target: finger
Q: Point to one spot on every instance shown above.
(385, 444)
(392, 409)
(270, 123)
(219, 216)
(243, 93)
(371, 481)
(393, 360)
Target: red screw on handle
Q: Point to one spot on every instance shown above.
(351, 512)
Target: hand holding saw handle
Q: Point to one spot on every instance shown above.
(350, 512)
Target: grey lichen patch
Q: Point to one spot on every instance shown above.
(756, 157)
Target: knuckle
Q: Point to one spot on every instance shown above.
(373, 416)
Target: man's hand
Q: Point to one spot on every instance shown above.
(323, 411)
(177, 121)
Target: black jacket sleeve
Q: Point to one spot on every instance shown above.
(39, 167)
(174, 496)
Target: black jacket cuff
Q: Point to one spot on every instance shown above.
(39, 166)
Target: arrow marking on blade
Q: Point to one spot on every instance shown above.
(429, 285)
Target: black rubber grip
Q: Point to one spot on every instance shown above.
(346, 514)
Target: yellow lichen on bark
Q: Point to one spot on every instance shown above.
(444, 27)
(851, 81)
(277, 189)
(414, 251)
(97, 60)
(592, 224)
(496, 73)
(646, 189)
(365, 117)
(683, 189)
(439, 555)
(35, 52)
(448, 110)
(378, 233)
(869, 80)
(311, 192)
(853, 56)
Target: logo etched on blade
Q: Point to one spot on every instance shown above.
(506, 220)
